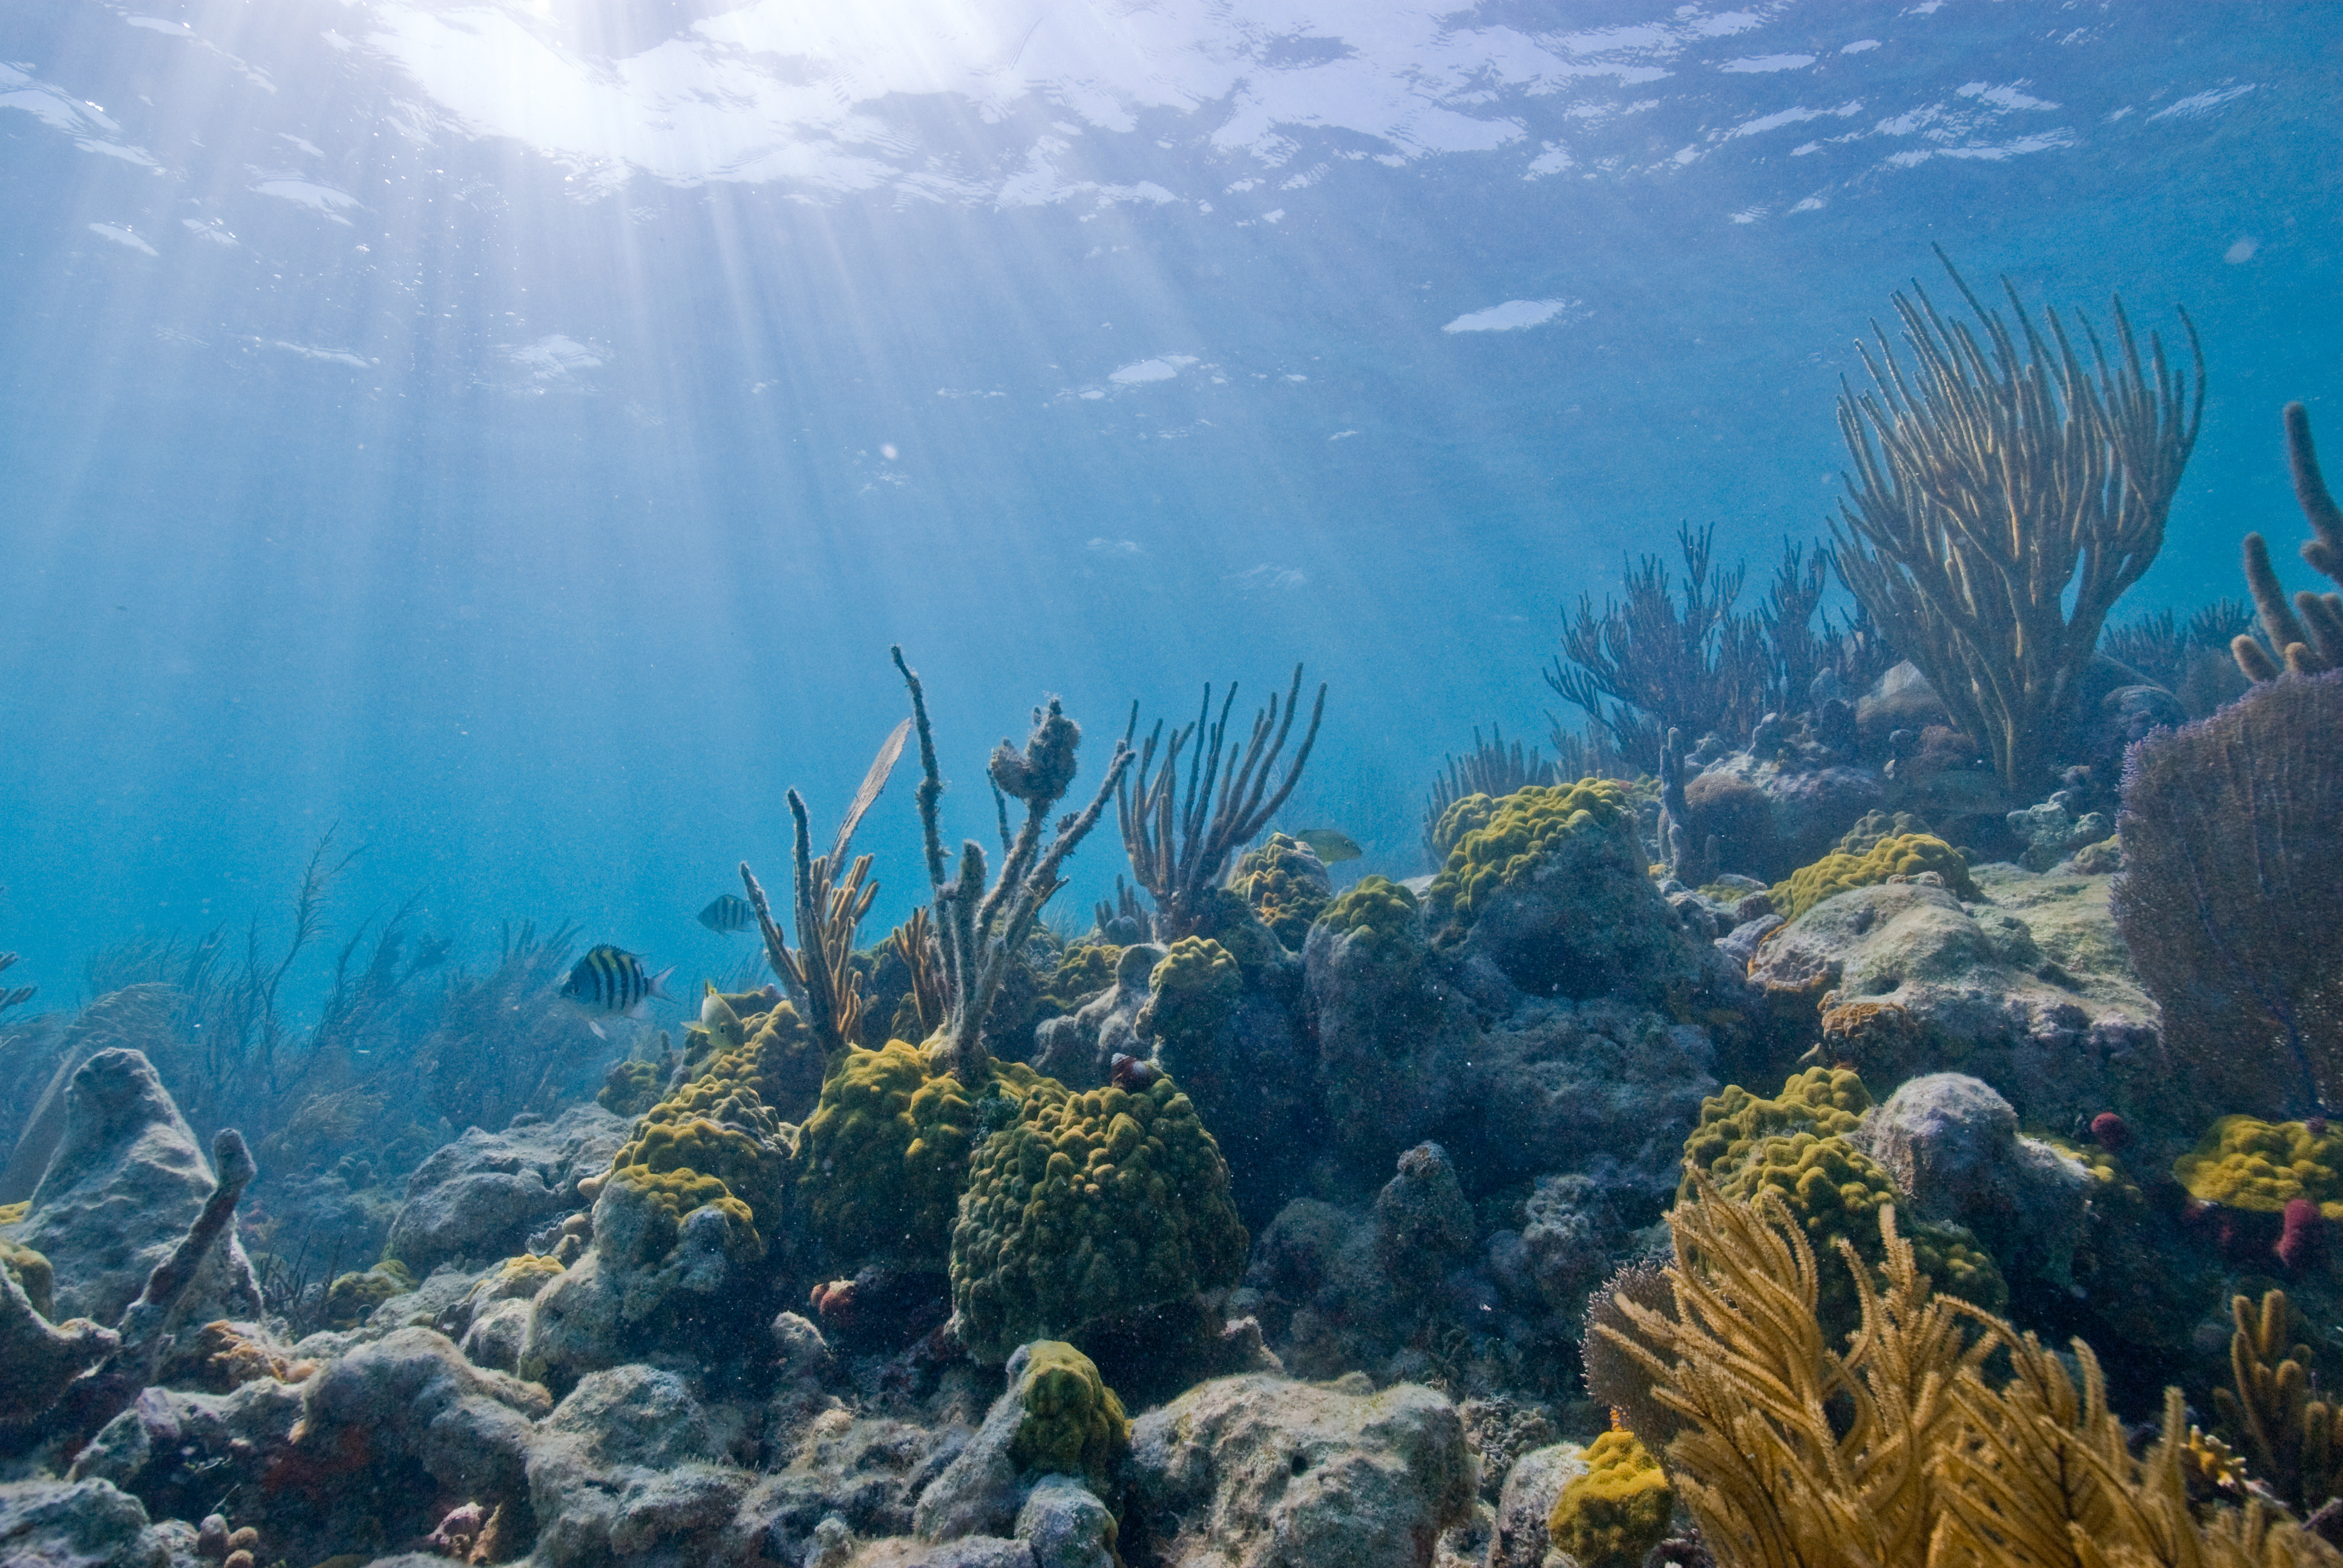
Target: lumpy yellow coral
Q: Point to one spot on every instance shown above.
(1089, 1205)
(1616, 1513)
(1375, 910)
(630, 1089)
(1796, 1145)
(715, 1143)
(1285, 883)
(31, 1270)
(1073, 1423)
(2246, 1163)
(1905, 855)
(1193, 990)
(1521, 832)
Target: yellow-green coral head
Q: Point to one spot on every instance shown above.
(1905, 855)
(1521, 832)
(1618, 1511)
(1073, 1423)
(2244, 1162)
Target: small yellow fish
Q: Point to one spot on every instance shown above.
(1330, 845)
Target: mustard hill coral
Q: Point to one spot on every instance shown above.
(2244, 1162)
(1086, 1206)
(630, 1089)
(1073, 1423)
(1193, 991)
(1523, 832)
(1905, 855)
(1616, 1513)
(881, 1159)
(1375, 911)
(350, 1298)
(1285, 883)
(31, 1270)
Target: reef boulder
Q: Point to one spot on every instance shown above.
(632, 1466)
(478, 1198)
(1257, 1471)
(125, 1181)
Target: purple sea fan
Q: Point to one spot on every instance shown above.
(2231, 897)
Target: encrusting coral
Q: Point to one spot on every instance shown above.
(2285, 1424)
(1904, 1448)
(1904, 855)
(1073, 1423)
(1616, 1513)
(2243, 1162)
(1285, 883)
(1086, 1206)
(1526, 831)
(2002, 501)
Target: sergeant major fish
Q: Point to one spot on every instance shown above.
(727, 914)
(609, 981)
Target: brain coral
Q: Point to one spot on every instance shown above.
(1194, 990)
(1797, 1145)
(1286, 885)
(1904, 855)
(1616, 1513)
(2246, 1163)
(1376, 911)
(1522, 831)
(1073, 1423)
(1089, 1205)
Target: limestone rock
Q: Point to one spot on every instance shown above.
(630, 1465)
(1531, 1485)
(848, 1478)
(478, 1198)
(1066, 1526)
(1078, 1049)
(76, 1524)
(2031, 993)
(1601, 1087)
(1769, 818)
(127, 1180)
(1952, 1144)
(1392, 1039)
(1255, 1471)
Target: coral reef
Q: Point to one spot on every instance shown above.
(1085, 1207)
(2243, 1162)
(2228, 847)
(1970, 526)
(1491, 770)
(1616, 1513)
(883, 1156)
(1192, 994)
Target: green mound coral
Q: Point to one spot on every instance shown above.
(352, 1297)
(2244, 1162)
(1376, 911)
(1193, 990)
(1616, 1513)
(1089, 1205)
(1904, 855)
(715, 1143)
(769, 1046)
(882, 1160)
(1073, 1424)
(31, 1270)
(631, 1088)
(516, 1279)
(1796, 1145)
(1285, 883)
(1463, 815)
(1521, 832)
(1084, 970)
(1874, 826)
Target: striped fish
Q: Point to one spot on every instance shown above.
(728, 914)
(609, 981)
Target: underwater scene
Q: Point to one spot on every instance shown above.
(1170, 784)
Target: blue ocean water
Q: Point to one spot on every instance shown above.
(512, 433)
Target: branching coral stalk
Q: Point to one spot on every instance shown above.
(1900, 1450)
(2313, 642)
(1993, 487)
(914, 942)
(1180, 841)
(2289, 1430)
(981, 932)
